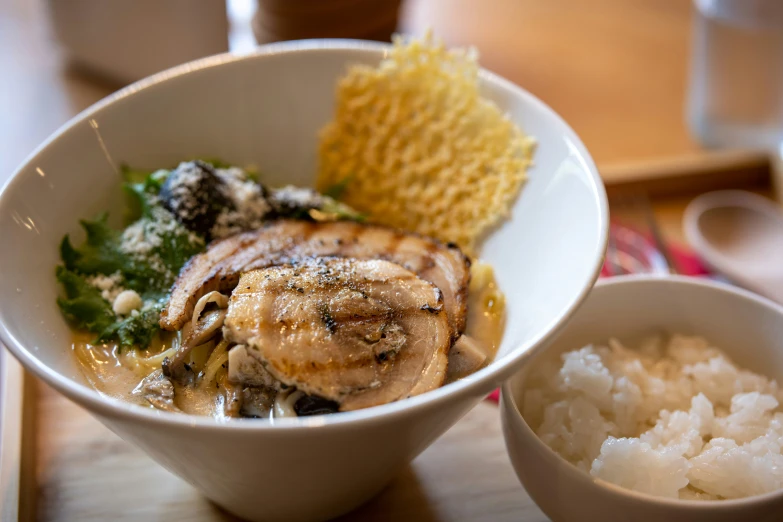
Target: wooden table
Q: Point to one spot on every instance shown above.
(615, 69)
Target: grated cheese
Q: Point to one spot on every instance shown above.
(249, 206)
(145, 235)
(109, 285)
(419, 147)
(127, 302)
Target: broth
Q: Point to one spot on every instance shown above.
(117, 373)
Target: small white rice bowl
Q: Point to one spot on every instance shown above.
(673, 418)
(687, 454)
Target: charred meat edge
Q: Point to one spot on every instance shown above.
(211, 276)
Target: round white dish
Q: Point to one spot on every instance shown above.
(747, 327)
(266, 109)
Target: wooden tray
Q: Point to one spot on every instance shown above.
(17, 437)
(73, 468)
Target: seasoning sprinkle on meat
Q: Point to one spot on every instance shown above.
(353, 350)
(288, 241)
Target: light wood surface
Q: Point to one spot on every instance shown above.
(11, 431)
(691, 174)
(615, 69)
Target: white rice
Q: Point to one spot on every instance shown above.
(676, 419)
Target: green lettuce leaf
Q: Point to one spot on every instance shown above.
(175, 250)
(176, 247)
(215, 162)
(337, 190)
(143, 195)
(131, 175)
(333, 210)
(87, 310)
(83, 304)
(101, 254)
(135, 330)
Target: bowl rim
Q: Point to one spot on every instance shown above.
(520, 427)
(485, 379)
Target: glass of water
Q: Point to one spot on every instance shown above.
(735, 96)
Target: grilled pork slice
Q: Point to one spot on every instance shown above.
(360, 333)
(288, 241)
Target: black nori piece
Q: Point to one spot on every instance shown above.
(314, 405)
(197, 204)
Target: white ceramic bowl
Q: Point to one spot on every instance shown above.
(747, 327)
(266, 109)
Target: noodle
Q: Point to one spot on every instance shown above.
(145, 361)
(207, 390)
(146, 364)
(214, 364)
(198, 356)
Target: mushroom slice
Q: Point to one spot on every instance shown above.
(158, 390)
(257, 402)
(233, 400)
(205, 325)
(357, 332)
(246, 370)
(219, 300)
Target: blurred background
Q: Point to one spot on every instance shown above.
(675, 99)
(639, 80)
(671, 97)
